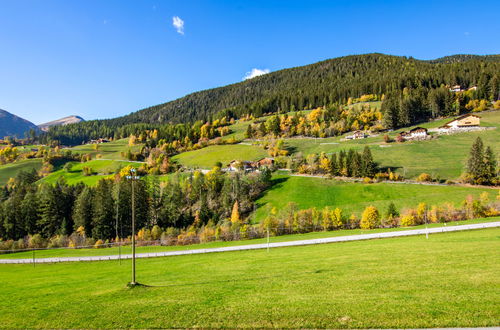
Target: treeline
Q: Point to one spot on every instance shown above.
(27, 208)
(150, 134)
(316, 85)
(349, 163)
(289, 220)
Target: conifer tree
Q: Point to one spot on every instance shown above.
(82, 214)
(475, 164)
(334, 169)
(490, 161)
(369, 167)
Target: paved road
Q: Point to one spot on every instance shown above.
(401, 233)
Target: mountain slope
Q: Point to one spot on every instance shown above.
(319, 83)
(323, 83)
(62, 121)
(12, 125)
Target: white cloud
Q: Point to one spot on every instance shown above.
(178, 24)
(255, 73)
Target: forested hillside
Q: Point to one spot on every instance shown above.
(324, 83)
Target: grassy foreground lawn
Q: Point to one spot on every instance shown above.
(449, 280)
(11, 170)
(308, 192)
(273, 239)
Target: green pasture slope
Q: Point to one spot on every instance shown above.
(108, 150)
(102, 168)
(207, 157)
(309, 192)
(443, 157)
(8, 171)
(449, 280)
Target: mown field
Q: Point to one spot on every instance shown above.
(82, 252)
(309, 192)
(449, 280)
(8, 171)
(109, 150)
(101, 168)
(207, 157)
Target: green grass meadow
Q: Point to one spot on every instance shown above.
(11, 170)
(309, 192)
(207, 157)
(102, 168)
(443, 157)
(108, 150)
(449, 280)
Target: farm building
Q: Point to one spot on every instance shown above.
(465, 122)
(417, 133)
(265, 162)
(238, 165)
(356, 135)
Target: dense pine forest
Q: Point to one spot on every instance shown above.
(419, 88)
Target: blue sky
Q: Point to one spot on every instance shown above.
(102, 59)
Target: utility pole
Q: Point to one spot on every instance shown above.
(133, 178)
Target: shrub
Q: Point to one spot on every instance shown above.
(36, 241)
(370, 218)
(68, 166)
(408, 218)
(87, 171)
(99, 244)
(424, 177)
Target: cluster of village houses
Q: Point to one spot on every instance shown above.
(98, 141)
(249, 166)
(461, 124)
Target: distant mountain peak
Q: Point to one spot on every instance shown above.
(12, 125)
(62, 121)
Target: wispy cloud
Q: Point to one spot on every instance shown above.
(178, 24)
(255, 73)
(467, 34)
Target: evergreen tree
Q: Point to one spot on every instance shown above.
(82, 214)
(51, 215)
(392, 212)
(368, 165)
(390, 112)
(334, 165)
(29, 209)
(490, 166)
(249, 132)
(103, 211)
(475, 164)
